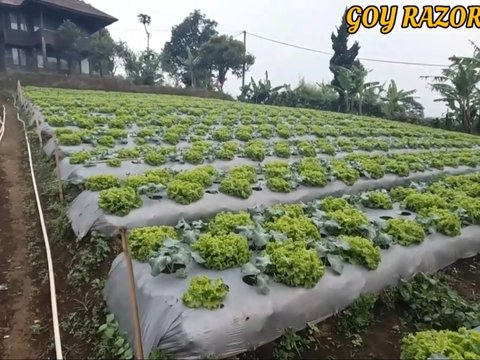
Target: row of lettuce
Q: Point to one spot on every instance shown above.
(294, 243)
(200, 151)
(120, 196)
(97, 114)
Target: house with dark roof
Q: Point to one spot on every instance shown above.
(28, 33)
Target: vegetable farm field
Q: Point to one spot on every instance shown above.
(246, 221)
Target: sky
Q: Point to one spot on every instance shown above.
(307, 23)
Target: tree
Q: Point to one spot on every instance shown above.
(68, 37)
(343, 58)
(459, 89)
(102, 52)
(222, 54)
(142, 68)
(194, 31)
(401, 104)
(361, 88)
(146, 20)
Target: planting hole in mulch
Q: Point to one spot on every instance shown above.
(405, 213)
(176, 267)
(385, 217)
(250, 280)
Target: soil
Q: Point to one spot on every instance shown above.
(24, 311)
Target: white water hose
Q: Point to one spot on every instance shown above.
(51, 276)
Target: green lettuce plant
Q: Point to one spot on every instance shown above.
(184, 192)
(205, 293)
(119, 201)
(221, 252)
(144, 241)
(431, 344)
(101, 182)
(405, 232)
(361, 252)
(293, 264)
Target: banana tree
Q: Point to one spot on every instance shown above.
(459, 89)
(261, 93)
(397, 101)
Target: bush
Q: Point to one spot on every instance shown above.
(224, 251)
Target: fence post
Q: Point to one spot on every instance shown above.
(57, 167)
(133, 295)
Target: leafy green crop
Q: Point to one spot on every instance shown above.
(377, 200)
(107, 141)
(114, 163)
(227, 151)
(203, 292)
(399, 193)
(184, 192)
(101, 182)
(70, 139)
(119, 201)
(349, 220)
(344, 172)
(331, 204)
(306, 148)
(223, 251)
(417, 202)
(278, 184)
(227, 222)
(361, 252)
(256, 150)
(79, 157)
(282, 149)
(444, 221)
(154, 158)
(239, 187)
(312, 173)
(293, 264)
(405, 232)
(144, 241)
(296, 228)
(461, 344)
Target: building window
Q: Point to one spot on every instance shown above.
(40, 64)
(23, 22)
(19, 57)
(13, 21)
(18, 21)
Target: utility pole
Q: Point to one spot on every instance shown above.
(244, 56)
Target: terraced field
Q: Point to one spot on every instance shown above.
(246, 220)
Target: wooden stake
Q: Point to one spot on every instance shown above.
(39, 133)
(133, 295)
(57, 164)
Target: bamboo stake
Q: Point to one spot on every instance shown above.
(57, 164)
(133, 295)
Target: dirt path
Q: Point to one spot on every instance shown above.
(20, 310)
